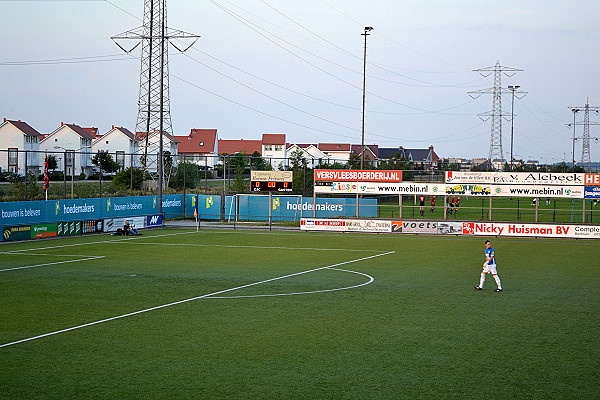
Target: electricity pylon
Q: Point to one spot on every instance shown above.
(496, 113)
(154, 110)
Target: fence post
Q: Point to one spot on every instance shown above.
(26, 177)
(490, 214)
(583, 211)
(400, 206)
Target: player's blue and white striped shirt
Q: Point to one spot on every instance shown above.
(490, 253)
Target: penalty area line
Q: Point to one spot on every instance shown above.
(187, 300)
(52, 263)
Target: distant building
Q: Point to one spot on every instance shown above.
(200, 147)
(121, 143)
(274, 148)
(73, 147)
(337, 152)
(426, 159)
(17, 138)
(240, 146)
(308, 152)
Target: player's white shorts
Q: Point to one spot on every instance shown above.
(490, 269)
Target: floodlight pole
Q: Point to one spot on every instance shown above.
(512, 123)
(362, 136)
(575, 111)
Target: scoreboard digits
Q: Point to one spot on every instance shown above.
(271, 186)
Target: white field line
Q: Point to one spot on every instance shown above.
(255, 247)
(52, 263)
(371, 279)
(97, 242)
(188, 300)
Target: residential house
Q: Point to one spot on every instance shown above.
(121, 144)
(371, 153)
(19, 146)
(72, 146)
(337, 152)
(150, 144)
(274, 148)
(309, 152)
(425, 159)
(240, 146)
(200, 147)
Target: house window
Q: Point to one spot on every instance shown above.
(120, 158)
(201, 143)
(13, 160)
(278, 147)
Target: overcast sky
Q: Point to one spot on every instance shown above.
(296, 67)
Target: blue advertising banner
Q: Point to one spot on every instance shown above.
(591, 192)
(35, 212)
(208, 207)
(291, 208)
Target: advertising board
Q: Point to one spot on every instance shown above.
(591, 180)
(271, 176)
(515, 178)
(112, 224)
(312, 224)
(591, 192)
(154, 221)
(39, 231)
(415, 227)
(10, 233)
(68, 228)
(381, 188)
(346, 175)
(346, 225)
(574, 192)
(531, 230)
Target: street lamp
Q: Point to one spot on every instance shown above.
(362, 136)
(512, 123)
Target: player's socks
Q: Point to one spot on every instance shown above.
(482, 280)
(497, 278)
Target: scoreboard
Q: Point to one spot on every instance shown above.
(271, 186)
(271, 181)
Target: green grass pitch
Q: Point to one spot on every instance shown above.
(179, 314)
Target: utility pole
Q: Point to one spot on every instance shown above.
(496, 113)
(586, 158)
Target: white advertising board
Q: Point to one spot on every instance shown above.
(531, 230)
(567, 231)
(382, 188)
(346, 225)
(271, 176)
(515, 178)
(576, 192)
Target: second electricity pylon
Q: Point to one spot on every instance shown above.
(586, 158)
(496, 113)
(154, 111)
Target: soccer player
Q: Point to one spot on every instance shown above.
(432, 201)
(422, 205)
(456, 205)
(489, 267)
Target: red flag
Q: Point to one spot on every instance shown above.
(46, 178)
(196, 212)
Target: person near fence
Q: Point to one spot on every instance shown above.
(422, 205)
(432, 201)
(489, 267)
